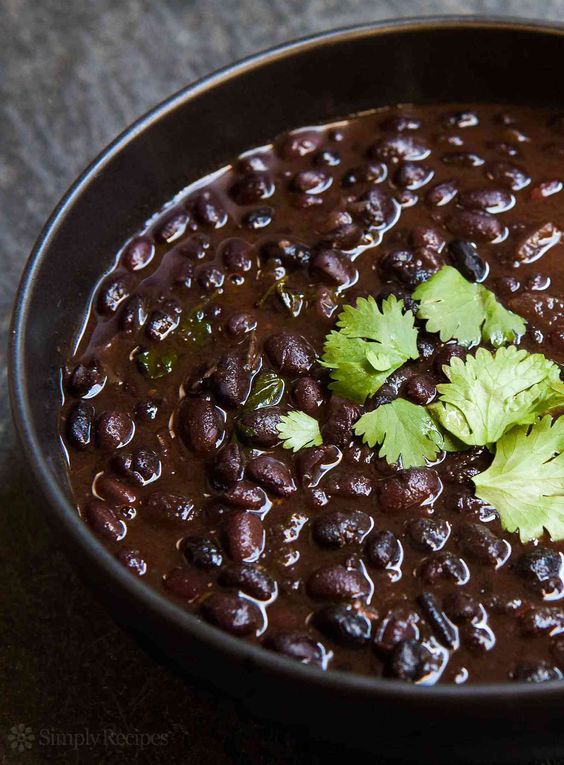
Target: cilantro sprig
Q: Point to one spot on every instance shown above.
(460, 310)
(525, 482)
(489, 393)
(369, 345)
(298, 430)
(404, 430)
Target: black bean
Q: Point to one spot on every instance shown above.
(333, 268)
(273, 475)
(410, 268)
(311, 181)
(483, 545)
(313, 463)
(201, 425)
(420, 389)
(376, 209)
(536, 672)
(173, 226)
(427, 236)
(292, 254)
(103, 521)
(477, 638)
(444, 566)
(228, 467)
(489, 200)
(307, 394)
(240, 324)
(428, 534)
(508, 175)
(162, 505)
(208, 209)
(412, 175)
(112, 293)
(87, 379)
(446, 354)
(209, 277)
(462, 159)
(236, 255)
(539, 566)
(163, 321)
(462, 119)
(252, 580)
(232, 377)
(462, 608)
(327, 158)
(259, 428)
(337, 429)
(231, 613)
(441, 193)
(542, 621)
(466, 259)
(299, 143)
(259, 218)
(201, 552)
(115, 492)
(79, 425)
(383, 549)
(337, 529)
(251, 188)
(348, 483)
(290, 353)
(246, 494)
(141, 466)
(133, 560)
(133, 315)
(398, 624)
(186, 583)
(398, 147)
(343, 624)
(245, 536)
(138, 253)
(297, 646)
(410, 661)
(445, 632)
(475, 225)
(336, 583)
(401, 293)
(114, 429)
(399, 123)
(408, 488)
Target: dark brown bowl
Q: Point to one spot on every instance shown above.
(195, 131)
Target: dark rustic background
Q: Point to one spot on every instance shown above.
(72, 75)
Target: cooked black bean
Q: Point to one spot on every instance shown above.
(483, 545)
(408, 488)
(444, 565)
(209, 277)
(308, 395)
(462, 608)
(290, 353)
(114, 429)
(115, 492)
(441, 193)
(79, 425)
(401, 146)
(231, 613)
(246, 494)
(260, 428)
(232, 377)
(333, 268)
(383, 549)
(313, 463)
(536, 672)
(245, 536)
(201, 425)
(337, 429)
(348, 483)
(539, 566)
(273, 475)
(138, 253)
(172, 226)
(336, 582)
(134, 314)
(252, 580)
(337, 529)
(410, 268)
(297, 646)
(398, 624)
(201, 552)
(87, 379)
(508, 175)
(228, 466)
(133, 560)
(444, 631)
(543, 620)
(474, 225)
(112, 293)
(343, 624)
(251, 188)
(465, 257)
(163, 320)
(428, 534)
(420, 389)
(444, 356)
(208, 210)
(161, 505)
(489, 200)
(292, 254)
(141, 466)
(102, 519)
(240, 323)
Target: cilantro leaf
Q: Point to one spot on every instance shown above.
(298, 430)
(458, 309)
(490, 393)
(370, 344)
(525, 482)
(404, 430)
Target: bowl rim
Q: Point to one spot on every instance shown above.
(151, 601)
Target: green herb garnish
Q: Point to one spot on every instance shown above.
(154, 365)
(298, 430)
(267, 390)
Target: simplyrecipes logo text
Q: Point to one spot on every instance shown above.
(22, 738)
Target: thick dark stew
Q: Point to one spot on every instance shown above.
(318, 400)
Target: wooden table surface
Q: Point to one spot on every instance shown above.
(72, 75)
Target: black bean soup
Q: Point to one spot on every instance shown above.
(211, 328)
